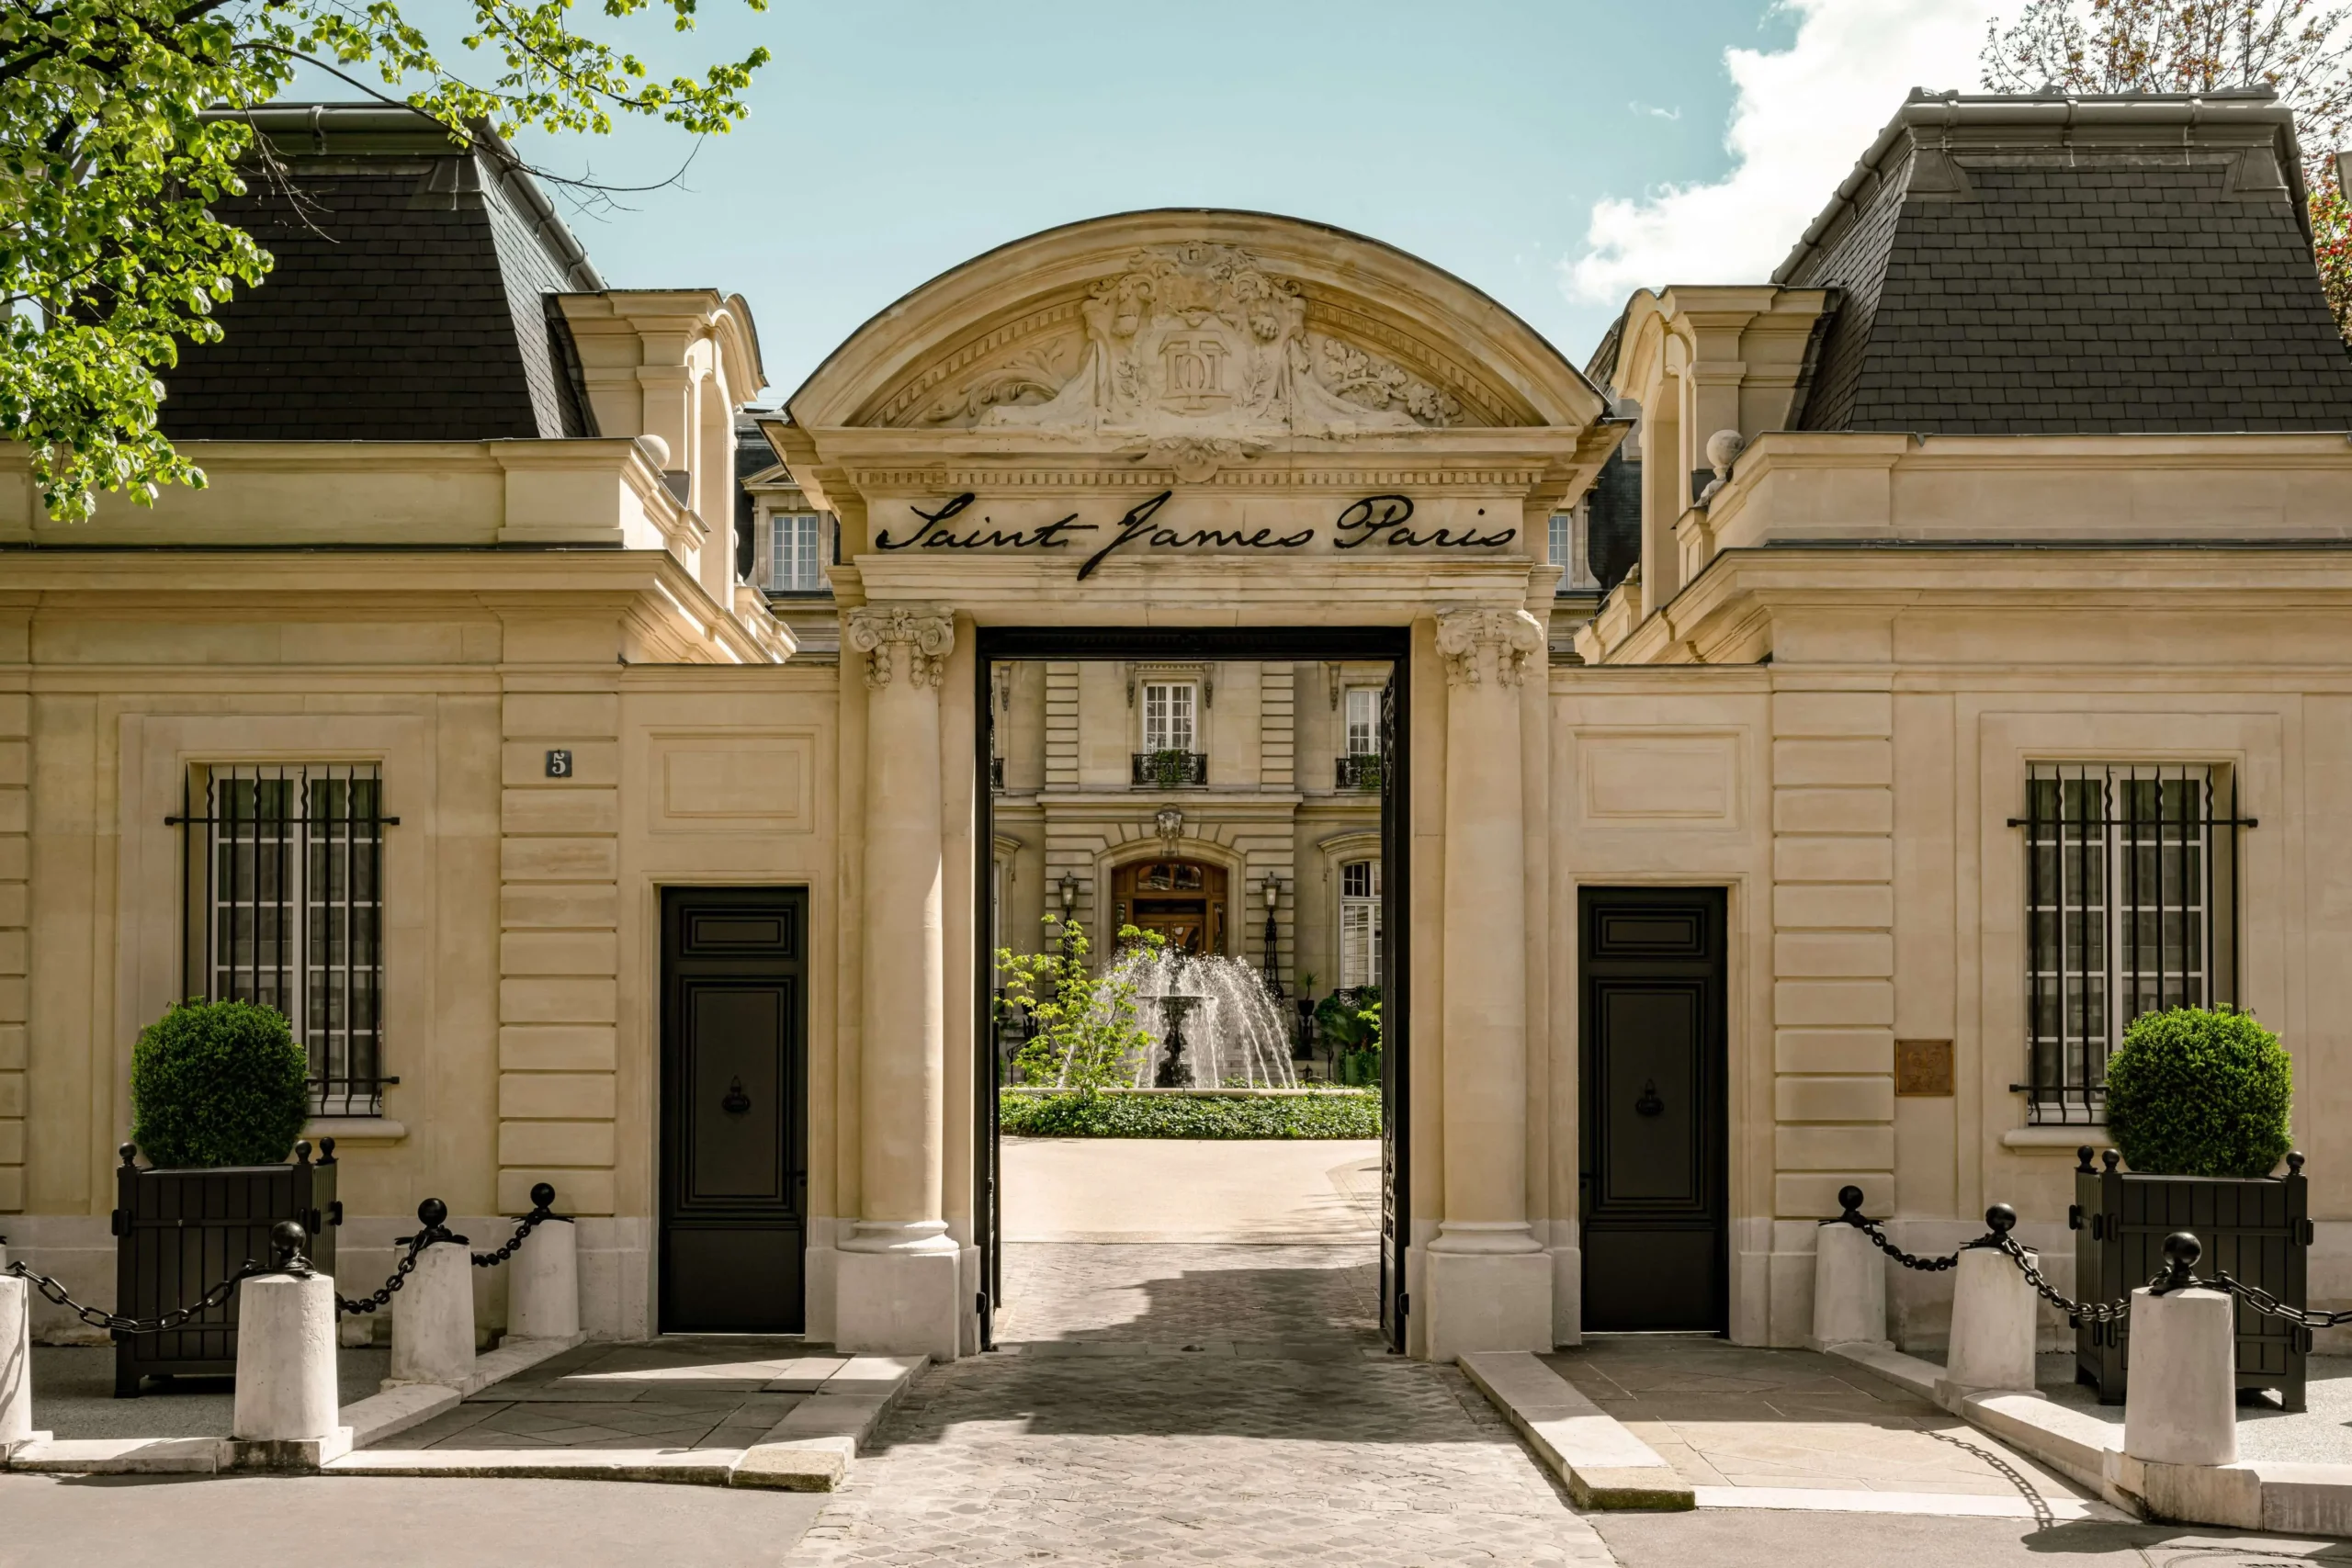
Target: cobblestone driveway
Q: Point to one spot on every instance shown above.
(1195, 1404)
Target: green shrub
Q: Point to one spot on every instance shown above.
(218, 1083)
(2197, 1093)
(1143, 1115)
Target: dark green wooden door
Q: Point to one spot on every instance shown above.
(1653, 1136)
(734, 1120)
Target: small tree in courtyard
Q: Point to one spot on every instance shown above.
(1089, 1025)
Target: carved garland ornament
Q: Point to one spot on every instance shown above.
(928, 631)
(1461, 635)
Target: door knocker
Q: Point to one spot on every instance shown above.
(735, 1101)
(1649, 1105)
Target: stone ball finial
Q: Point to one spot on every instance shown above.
(1724, 448)
(2001, 1219)
(657, 449)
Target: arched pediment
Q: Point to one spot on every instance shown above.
(1194, 325)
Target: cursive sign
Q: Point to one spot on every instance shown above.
(1383, 520)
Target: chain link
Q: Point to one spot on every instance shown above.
(1850, 1199)
(2261, 1300)
(384, 1292)
(531, 1222)
(117, 1323)
(2098, 1312)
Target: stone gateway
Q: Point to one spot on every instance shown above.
(1724, 759)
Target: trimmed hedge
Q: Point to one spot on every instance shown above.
(218, 1083)
(1028, 1114)
(2197, 1093)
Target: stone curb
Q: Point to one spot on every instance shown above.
(1605, 1466)
(2266, 1494)
(809, 1450)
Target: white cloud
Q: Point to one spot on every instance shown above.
(1798, 119)
(1639, 108)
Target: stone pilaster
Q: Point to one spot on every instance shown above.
(15, 939)
(1489, 1284)
(900, 1285)
(1833, 963)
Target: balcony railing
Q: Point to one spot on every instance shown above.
(1171, 770)
(1358, 771)
(996, 772)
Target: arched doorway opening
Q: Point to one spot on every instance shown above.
(1183, 900)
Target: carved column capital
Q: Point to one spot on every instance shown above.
(928, 630)
(1464, 635)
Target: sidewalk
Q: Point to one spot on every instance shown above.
(1756, 1428)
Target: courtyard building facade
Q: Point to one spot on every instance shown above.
(1783, 750)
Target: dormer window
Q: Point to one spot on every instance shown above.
(795, 565)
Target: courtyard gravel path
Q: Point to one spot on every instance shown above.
(1195, 1404)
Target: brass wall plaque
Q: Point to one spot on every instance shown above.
(1923, 1068)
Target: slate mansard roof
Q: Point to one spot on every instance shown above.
(412, 298)
(2050, 266)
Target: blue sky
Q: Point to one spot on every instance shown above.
(891, 139)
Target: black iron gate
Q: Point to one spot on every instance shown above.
(1395, 832)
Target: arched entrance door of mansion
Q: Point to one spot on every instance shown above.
(1238, 426)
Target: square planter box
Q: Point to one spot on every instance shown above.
(2256, 1228)
(180, 1232)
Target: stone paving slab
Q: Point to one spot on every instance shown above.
(1288, 1439)
(1729, 1416)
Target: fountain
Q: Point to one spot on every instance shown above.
(1214, 1023)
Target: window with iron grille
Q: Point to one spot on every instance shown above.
(283, 880)
(1360, 923)
(2131, 908)
(794, 564)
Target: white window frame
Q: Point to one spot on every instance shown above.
(795, 552)
(1360, 716)
(1360, 923)
(1170, 712)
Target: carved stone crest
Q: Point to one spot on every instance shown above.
(928, 631)
(1463, 635)
(1199, 354)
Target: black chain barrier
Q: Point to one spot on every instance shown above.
(1999, 1220)
(2182, 1249)
(542, 1210)
(1850, 1199)
(287, 1236)
(433, 1218)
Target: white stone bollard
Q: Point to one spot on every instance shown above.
(16, 1364)
(1993, 1313)
(286, 1371)
(543, 1287)
(1849, 1283)
(433, 1316)
(2180, 1403)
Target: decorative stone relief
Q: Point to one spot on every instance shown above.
(1462, 634)
(1203, 357)
(928, 631)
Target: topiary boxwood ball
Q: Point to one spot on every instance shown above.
(218, 1083)
(2197, 1093)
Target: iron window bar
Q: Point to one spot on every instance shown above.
(288, 912)
(1358, 770)
(2132, 898)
